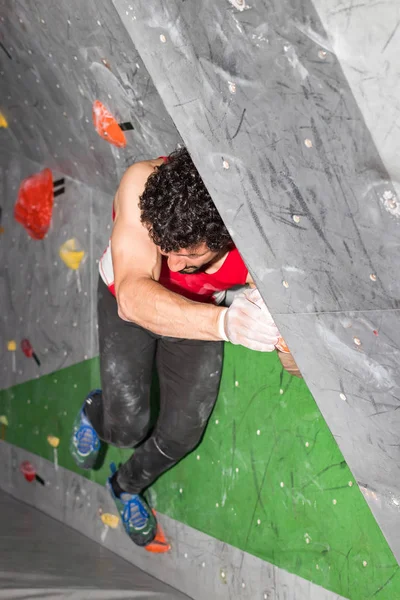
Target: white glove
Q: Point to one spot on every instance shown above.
(248, 322)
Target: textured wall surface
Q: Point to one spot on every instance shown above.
(365, 38)
(76, 568)
(56, 59)
(40, 296)
(284, 149)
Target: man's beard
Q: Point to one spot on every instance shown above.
(193, 270)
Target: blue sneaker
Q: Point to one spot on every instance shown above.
(137, 518)
(85, 443)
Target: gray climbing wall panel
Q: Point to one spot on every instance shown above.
(33, 566)
(41, 297)
(365, 39)
(56, 59)
(280, 141)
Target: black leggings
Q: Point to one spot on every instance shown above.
(189, 373)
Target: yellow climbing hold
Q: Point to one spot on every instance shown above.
(12, 345)
(110, 520)
(70, 254)
(4, 420)
(3, 121)
(53, 441)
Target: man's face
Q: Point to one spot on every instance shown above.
(191, 260)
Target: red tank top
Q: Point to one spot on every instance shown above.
(202, 286)
(199, 287)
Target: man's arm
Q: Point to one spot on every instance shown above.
(137, 265)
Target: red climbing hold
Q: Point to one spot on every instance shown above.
(106, 126)
(159, 545)
(34, 205)
(27, 349)
(28, 470)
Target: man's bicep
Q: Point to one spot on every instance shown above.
(134, 255)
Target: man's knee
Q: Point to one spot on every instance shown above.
(176, 447)
(126, 418)
(123, 436)
(126, 430)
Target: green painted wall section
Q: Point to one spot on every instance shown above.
(268, 476)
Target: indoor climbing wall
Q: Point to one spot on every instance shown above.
(286, 152)
(290, 125)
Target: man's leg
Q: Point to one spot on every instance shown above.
(120, 414)
(189, 373)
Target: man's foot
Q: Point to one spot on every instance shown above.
(137, 518)
(85, 443)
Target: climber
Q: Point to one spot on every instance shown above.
(169, 260)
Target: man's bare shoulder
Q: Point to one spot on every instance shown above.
(134, 181)
(138, 173)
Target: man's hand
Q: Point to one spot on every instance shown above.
(248, 322)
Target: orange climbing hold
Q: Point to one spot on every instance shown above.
(106, 126)
(34, 206)
(159, 545)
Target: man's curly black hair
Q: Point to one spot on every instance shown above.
(177, 208)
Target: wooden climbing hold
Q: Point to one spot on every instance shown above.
(107, 126)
